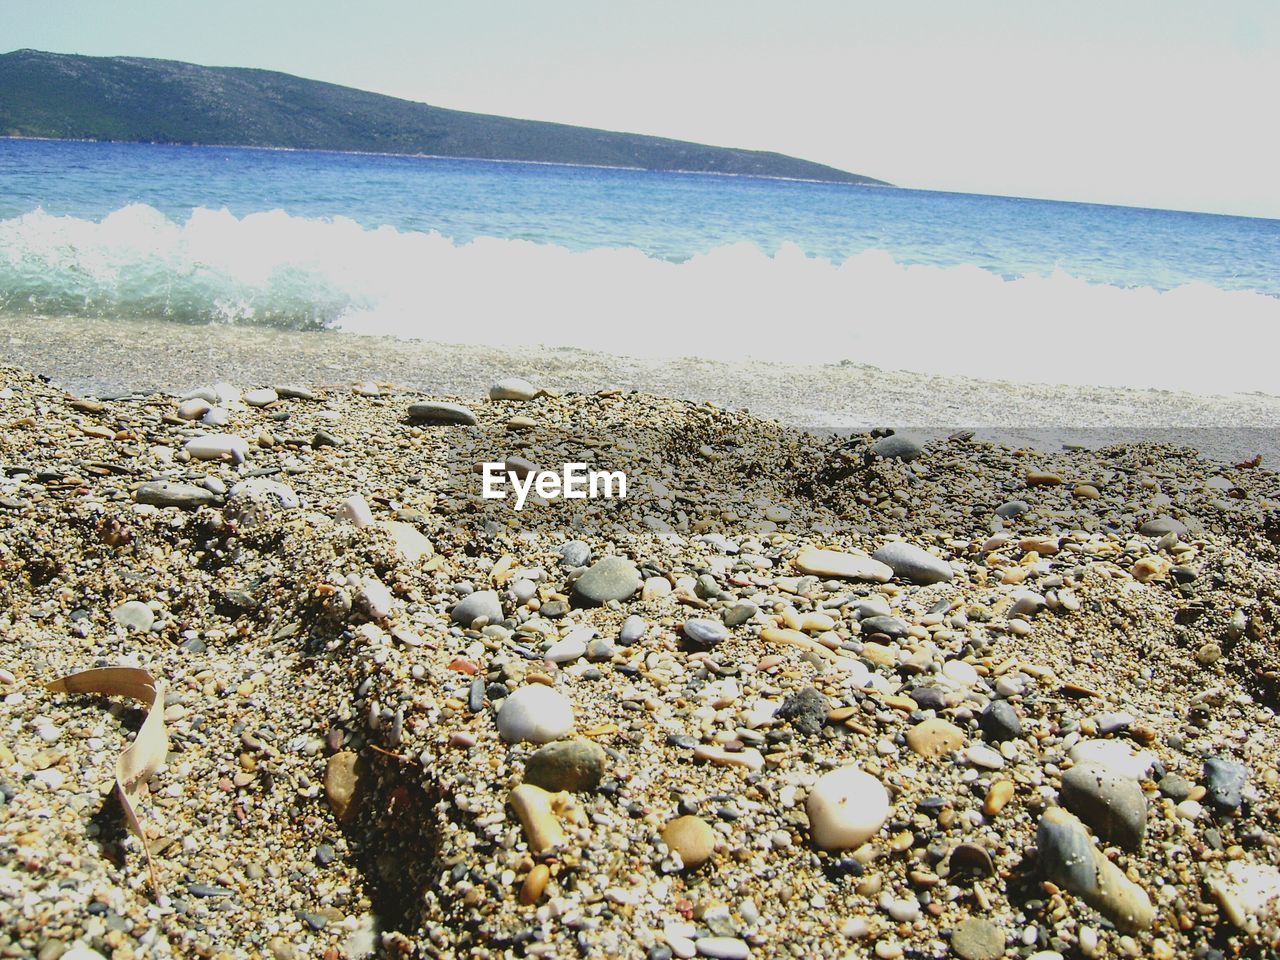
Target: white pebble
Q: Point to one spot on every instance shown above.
(535, 713)
(846, 808)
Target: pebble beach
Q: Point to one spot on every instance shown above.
(867, 694)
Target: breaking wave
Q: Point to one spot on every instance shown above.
(735, 302)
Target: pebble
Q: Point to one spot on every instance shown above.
(935, 737)
(1012, 508)
(575, 553)
(513, 388)
(375, 599)
(1068, 857)
(977, 938)
(1113, 755)
(1113, 805)
(998, 796)
(264, 488)
(261, 398)
(610, 578)
(535, 713)
(999, 722)
(705, 632)
(846, 808)
(806, 711)
(633, 630)
(194, 408)
(913, 563)
(342, 784)
(573, 765)
(844, 566)
(1224, 782)
(897, 446)
(440, 413)
(217, 446)
(1159, 526)
(165, 493)
(134, 615)
(723, 948)
(482, 603)
(691, 837)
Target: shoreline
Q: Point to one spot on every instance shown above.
(100, 356)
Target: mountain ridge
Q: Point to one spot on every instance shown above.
(135, 99)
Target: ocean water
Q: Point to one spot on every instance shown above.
(641, 263)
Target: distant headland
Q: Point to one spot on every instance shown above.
(70, 97)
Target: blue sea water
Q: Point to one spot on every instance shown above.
(635, 262)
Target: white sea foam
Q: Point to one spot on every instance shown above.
(735, 302)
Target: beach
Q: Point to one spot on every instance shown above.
(805, 690)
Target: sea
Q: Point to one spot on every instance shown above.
(641, 263)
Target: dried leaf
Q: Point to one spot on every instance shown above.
(142, 758)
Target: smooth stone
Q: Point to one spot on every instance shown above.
(1114, 806)
(218, 446)
(873, 606)
(705, 631)
(1012, 508)
(846, 808)
(293, 392)
(264, 488)
(1175, 787)
(574, 765)
(897, 446)
(1224, 782)
(535, 713)
(216, 417)
(1113, 755)
(960, 673)
(134, 615)
(482, 603)
(976, 938)
(164, 493)
(806, 710)
(929, 698)
(913, 563)
(342, 782)
(633, 629)
(1159, 526)
(194, 409)
(891, 627)
(935, 737)
(722, 948)
(261, 398)
(575, 553)
(610, 578)
(439, 412)
(844, 566)
(739, 614)
(513, 388)
(691, 837)
(410, 542)
(601, 648)
(355, 510)
(375, 598)
(1000, 722)
(571, 647)
(1068, 857)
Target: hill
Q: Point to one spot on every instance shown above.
(71, 97)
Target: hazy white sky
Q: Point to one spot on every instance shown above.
(1165, 103)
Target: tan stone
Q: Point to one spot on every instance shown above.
(343, 778)
(691, 837)
(998, 795)
(844, 566)
(935, 737)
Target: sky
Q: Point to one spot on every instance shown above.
(1160, 103)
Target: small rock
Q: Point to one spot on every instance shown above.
(1159, 526)
(440, 413)
(355, 510)
(261, 398)
(163, 493)
(513, 388)
(375, 599)
(913, 563)
(1114, 806)
(482, 603)
(343, 778)
(806, 710)
(610, 578)
(1000, 722)
(1224, 782)
(705, 632)
(1068, 857)
(845, 566)
(535, 713)
(976, 938)
(574, 765)
(897, 446)
(722, 948)
(217, 446)
(134, 615)
(691, 837)
(1012, 508)
(846, 808)
(1113, 755)
(935, 737)
(633, 629)
(575, 553)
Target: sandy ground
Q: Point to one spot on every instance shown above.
(107, 357)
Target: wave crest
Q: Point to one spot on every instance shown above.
(735, 302)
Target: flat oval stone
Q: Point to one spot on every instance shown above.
(163, 493)
(134, 615)
(897, 446)
(846, 808)
(845, 566)
(439, 412)
(705, 631)
(218, 446)
(610, 578)
(935, 737)
(913, 563)
(691, 837)
(535, 713)
(261, 398)
(1159, 526)
(513, 388)
(574, 765)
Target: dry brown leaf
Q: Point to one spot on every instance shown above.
(142, 758)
